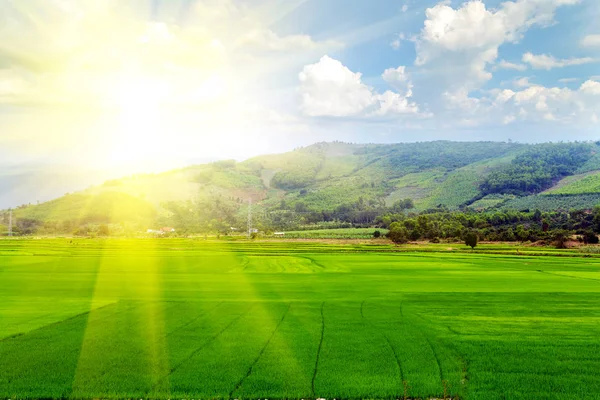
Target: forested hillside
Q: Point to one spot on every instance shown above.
(330, 185)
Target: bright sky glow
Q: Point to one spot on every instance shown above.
(146, 85)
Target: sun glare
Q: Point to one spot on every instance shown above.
(148, 109)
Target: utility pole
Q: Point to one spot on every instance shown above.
(10, 222)
(249, 218)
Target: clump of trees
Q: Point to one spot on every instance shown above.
(509, 226)
(398, 233)
(537, 168)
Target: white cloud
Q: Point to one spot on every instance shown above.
(399, 79)
(568, 80)
(530, 102)
(591, 41)
(390, 103)
(590, 87)
(539, 103)
(522, 82)
(504, 96)
(329, 88)
(460, 99)
(404, 8)
(508, 65)
(397, 42)
(266, 39)
(543, 61)
(456, 45)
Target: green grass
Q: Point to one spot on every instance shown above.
(184, 318)
(416, 185)
(577, 184)
(490, 201)
(553, 202)
(346, 233)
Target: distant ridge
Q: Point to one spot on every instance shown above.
(334, 177)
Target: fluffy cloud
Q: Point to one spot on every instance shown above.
(543, 61)
(591, 41)
(539, 103)
(590, 87)
(458, 45)
(399, 79)
(329, 88)
(522, 82)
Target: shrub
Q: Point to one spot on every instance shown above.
(103, 230)
(471, 239)
(590, 237)
(376, 234)
(560, 238)
(398, 233)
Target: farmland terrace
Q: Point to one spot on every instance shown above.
(183, 318)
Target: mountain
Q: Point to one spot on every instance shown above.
(328, 182)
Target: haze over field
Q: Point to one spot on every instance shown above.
(95, 90)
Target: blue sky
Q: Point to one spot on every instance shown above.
(108, 88)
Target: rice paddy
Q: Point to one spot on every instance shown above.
(194, 319)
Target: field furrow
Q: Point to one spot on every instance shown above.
(182, 319)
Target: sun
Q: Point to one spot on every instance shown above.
(149, 108)
(139, 105)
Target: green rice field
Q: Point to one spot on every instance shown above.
(195, 319)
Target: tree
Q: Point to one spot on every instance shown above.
(589, 237)
(560, 238)
(521, 233)
(401, 205)
(300, 207)
(471, 239)
(415, 234)
(103, 230)
(376, 234)
(398, 233)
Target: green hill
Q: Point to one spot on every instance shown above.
(577, 184)
(326, 183)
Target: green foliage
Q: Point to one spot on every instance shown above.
(589, 237)
(577, 184)
(337, 183)
(491, 201)
(402, 205)
(398, 233)
(347, 233)
(104, 208)
(560, 238)
(537, 168)
(471, 239)
(460, 186)
(552, 202)
(444, 154)
(227, 175)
